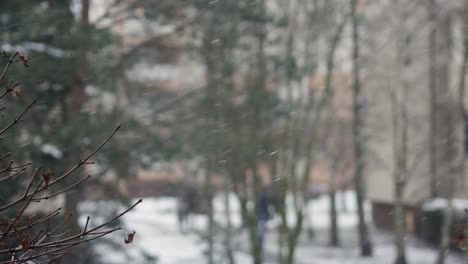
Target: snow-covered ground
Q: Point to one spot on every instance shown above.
(158, 237)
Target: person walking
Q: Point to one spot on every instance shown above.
(263, 214)
(182, 209)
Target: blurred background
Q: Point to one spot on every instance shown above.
(256, 131)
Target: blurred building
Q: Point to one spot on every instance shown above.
(399, 68)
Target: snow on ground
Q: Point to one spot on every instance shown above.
(318, 251)
(156, 224)
(442, 203)
(158, 235)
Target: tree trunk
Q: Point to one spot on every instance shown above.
(209, 205)
(308, 220)
(462, 111)
(440, 51)
(294, 237)
(255, 118)
(399, 224)
(462, 117)
(400, 126)
(81, 253)
(446, 226)
(364, 240)
(334, 150)
(400, 177)
(445, 232)
(398, 181)
(228, 228)
(79, 84)
(445, 119)
(433, 99)
(283, 233)
(334, 239)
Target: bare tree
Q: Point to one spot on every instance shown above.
(451, 160)
(461, 103)
(400, 128)
(334, 240)
(358, 101)
(37, 239)
(433, 94)
(303, 129)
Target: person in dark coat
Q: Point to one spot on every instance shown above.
(264, 205)
(182, 209)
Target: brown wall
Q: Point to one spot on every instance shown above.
(382, 216)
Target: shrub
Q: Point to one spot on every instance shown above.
(41, 239)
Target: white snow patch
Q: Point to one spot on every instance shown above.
(442, 203)
(52, 150)
(27, 47)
